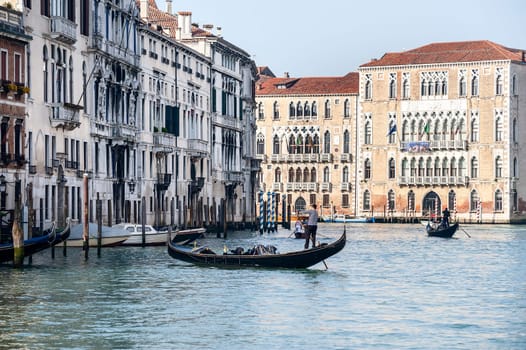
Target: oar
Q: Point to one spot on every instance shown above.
(324, 263)
(291, 234)
(467, 234)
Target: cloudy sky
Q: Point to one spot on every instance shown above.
(334, 37)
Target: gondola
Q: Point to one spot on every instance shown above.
(297, 259)
(183, 237)
(36, 244)
(441, 231)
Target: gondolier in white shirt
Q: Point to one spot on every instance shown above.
(312, 226)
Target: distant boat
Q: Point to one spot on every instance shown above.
(441, 231)
(109, 237)
(188, 236)
(152, 237)
(342, 218)
(53, 237)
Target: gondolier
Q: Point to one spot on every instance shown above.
(312, 226)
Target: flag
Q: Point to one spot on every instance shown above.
(426, 128)
(392, 130)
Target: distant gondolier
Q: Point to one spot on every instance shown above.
(312, 226)
(445, 217)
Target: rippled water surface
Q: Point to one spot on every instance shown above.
(392, 287)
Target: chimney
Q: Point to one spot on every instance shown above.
(169, 6)
(184, 24)
(286, 75)
(143, 9)
(208, 27)
(219, 32)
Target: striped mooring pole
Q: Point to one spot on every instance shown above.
(261, 214)
(479, 212)
(274, 225)
(269, 221)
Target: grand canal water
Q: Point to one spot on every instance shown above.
(392, 287)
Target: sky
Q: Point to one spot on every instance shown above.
(309, 38)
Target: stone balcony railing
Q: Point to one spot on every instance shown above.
(65, 115)
(63, 29)
(163, 142)
(433, 180)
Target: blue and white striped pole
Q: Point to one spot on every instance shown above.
(274, 212)
(261, 207)
(269, 221)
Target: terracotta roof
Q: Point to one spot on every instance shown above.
(265, 71)
(463, 51)
(157, 17)
(348, 84)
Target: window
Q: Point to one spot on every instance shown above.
(276, 145)
(346, 108)
(314, 109)
(498, 167)
(327, 109)
(366, 200)
(368, 133)
(368, 87)
(260, 144)
(292, 111)
(498, 126)
(345, 174)
(474, 129)
(367, 169)
(462, 91)
(514, 169)
(84, 16)
(498, 81)
(452, 201)
(299, 110)
(17, 69)
(391, 200)
(474, 168)
(345, 200)
(392, 85)
(261, 111)
(276, 110)
(346, 142)
(392, 130)
(514, 85)
(326, 201)
(392, 168)
(474, 82)
(405, 85)
(291, 175)
(3, 65)
(498, 200)
(327, 142)
(277, 175)
(45, 80)
(326, 174)
(313, 177)
(514, 130)
(306, 109)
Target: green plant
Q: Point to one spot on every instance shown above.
(164, 130)
(12, 87)
(155, 129)
(23, 89)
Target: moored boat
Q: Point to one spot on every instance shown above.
(296, 259)
(109, 237)
(34, 245)
(441, 231)
(187, 236)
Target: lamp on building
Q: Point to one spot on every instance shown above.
(131, 185)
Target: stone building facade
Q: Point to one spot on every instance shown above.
(440, 126)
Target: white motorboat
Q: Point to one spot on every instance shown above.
(109, 237)
(152, 236)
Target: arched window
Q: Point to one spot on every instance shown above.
(292, 144)
(327, 109)
(46, 72)
(277, 175)
(346, 108)
(498, 82)
(411, 200)
(474, 168)
(276, 145)
(306, 109)
(515, 174)
(306, 175)
(84, 87)
(326, 174)
(291, 175)
(421, 166)
(313, 177)
(413, 167)
(316, 145)
(405, 130)
(261, 111)
(275, 108)
(405, 167)
(392, 168)
(462, 167)
(514, 85)
(299, 110)
(260, 144)
(391, 200)
(453, 167)
(367, 169)
(299, 175)
(405, 89)
(346, 142)
(292, 111)
(423, 87)
(429, 166)
(70, 93)
(368, 133)
(345, 174)
(314, 109)
(514, 130)
(445, 167)
(392, 88)
(392, 132)
(474, 130)
(462, 87)
(299, 144)
(498, 200)
(368, 90)
(498, 166)
(437, 171)
(366, 200)
(308, 144)
(327, 142)
(475, 82)
(498, 129)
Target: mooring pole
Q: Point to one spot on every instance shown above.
(143, 221)
(99, 225)
(85, 227)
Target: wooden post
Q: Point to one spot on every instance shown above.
(98, 206)
(223, 217)
(30, 215)
(18, 232)
(85, 227)
(143, 220)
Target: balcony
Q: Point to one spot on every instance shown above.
(163, 143)
(326, 186)
(49, 170)
(277, 187)
(346, 158)
(124, 133)
(197, 184)
(346, 187)
(69, 164)
(426, 146)
(230, 122)
(163, 181)
(101, 130)
(197, 148)
(433, 180)
(63, 30)
(65, 115)
(261, 157)
(80, 173)
(326, 157)
(302, 186)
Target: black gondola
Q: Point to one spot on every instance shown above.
(188, 236)
(297, 259)
(441, 231)
(36, 244)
